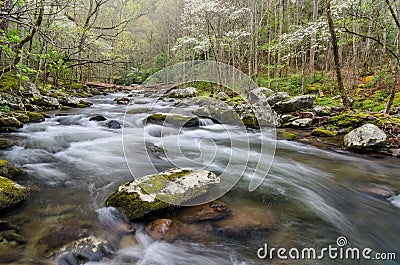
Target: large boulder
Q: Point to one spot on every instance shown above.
(156, 193)
(187, 92)
(259, 96)
(295, 104)
(11, 193)
(366, 138)
(278, 97)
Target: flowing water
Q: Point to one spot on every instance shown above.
(73, 164)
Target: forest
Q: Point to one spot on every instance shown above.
(325, 47)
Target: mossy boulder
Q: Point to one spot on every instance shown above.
(157, 193)
(138, 111)
(250, 121)
(11, 193)
(23, 118)
(8, 170)
(35, 116)
(173, 120)
(5, 143)
(322, 132)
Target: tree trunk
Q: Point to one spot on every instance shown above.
(313, 38)
(335, 49)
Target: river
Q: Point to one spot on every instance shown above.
(73, 164)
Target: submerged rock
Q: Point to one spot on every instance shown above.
(171, 230)
(211, 211)
(114, 125)
(156, 193)
(11, 193)
(366, 138)
(187, 92)
(246, 216)
(10, 171)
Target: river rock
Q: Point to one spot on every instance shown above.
(7, 121)
(11, 193)
(395, 152)
(295, 104)
(258, 97)
(174, 120)
(10, 171)
(366, 138)
(123, 100)
(171, 230)
(156, 193)
(246, 216)
(113, 124)
(222, 96)
(280, 96)
(302, 123)
(395, 200)
(210, 211)
(98, 118)
(188, 92)
(323, 110)
(5, 143)
(35, 116)
(49, 102)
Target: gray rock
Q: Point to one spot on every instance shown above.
(97, 118)
(222, 96)
(114, 125)
(7, 121)
(323, 110)
(295, 104)
(278, 97)
(49, 102)
(155, 193)
(366, 138)
(187, 92)
(307, 122)
(11, 193)
(267, 92)
(258, 97)
(71, 102)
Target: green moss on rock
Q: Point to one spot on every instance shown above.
(250, 121)
(11, 193)
(322, 132)
(23, 118)
(157, 193)
(5, 143)
(283, 134)
(8, 170)
(35, 116)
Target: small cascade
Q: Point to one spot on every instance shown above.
(206, 122)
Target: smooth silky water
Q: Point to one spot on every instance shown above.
(73, 164)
